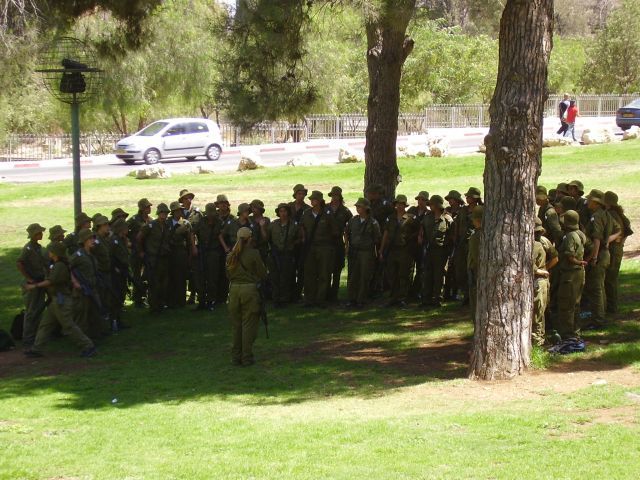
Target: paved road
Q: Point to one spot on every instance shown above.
(317, 152)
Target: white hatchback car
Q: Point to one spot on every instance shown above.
(173, 138)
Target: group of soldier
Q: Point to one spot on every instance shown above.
(427, 253)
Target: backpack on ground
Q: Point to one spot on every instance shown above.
(17, 325)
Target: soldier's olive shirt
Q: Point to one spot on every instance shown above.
(119, 252)
(180, 234)
(207, 233)
(600, 226)
(342, 215)
(134, 225)
(100, 252)
(85, 267)
(436, 230)
(551, 223)
(249, 269)
(572, 246)
(320, 230)
(33, 261)
(398, 231)
(156, 238)
(260, 241)
(381, 210)
(60, 278)
(549, 249)
(473, 256)
(283, 237)
(462, 225)
(297, 214)
(539, 256)
(230, 231)
(363, 234)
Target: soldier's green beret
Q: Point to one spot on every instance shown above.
(571, 220)
(162, 208)
(259, 204)
(281, 206)
(99, 220)
(210, 209)
(578, 184)
(34, 229)
(335, 192)
(473, 192)
(118, 213)
(363, 202)
(541, 193)
(567, 203)
(84, 235)
(119, 225)
(56, 231)
(175, 206)
(222, 199)
(186, 193)
(299, 188)
(596, 196)
(144, 203)
(244, 207)
(610, 199)
(58, 249)
(437, 200)
(82, 218)
(316, 195)
(400, 199)
(454, 195)
(423, 195)
(563, 188)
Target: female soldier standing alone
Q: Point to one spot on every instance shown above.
(244, 269)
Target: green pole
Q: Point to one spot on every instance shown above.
(75, 143)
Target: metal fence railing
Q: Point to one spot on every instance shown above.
(16, 147)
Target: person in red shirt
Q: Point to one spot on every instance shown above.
(572, 113)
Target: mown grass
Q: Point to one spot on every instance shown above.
(335, 394)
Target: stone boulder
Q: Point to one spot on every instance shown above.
(249, 162)
(200, 170)
(150, 173)
(557, 142)
(593, 137)
(632, 133)
(304, 160)
(482, 148)
(438, 147)
(347, 156)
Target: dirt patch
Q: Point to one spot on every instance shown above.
(14, 363)
(626, 415)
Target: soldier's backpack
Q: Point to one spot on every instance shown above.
(6, 343)
(17, 325)
(570, 345)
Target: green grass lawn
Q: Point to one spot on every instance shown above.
(335, 395)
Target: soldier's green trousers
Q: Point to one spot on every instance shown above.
(594, 287)
(540, 303)
(570, 286)
(208, 273)
(158, 283)
(611, 277)
(34, 301)
(138, 288)
(282, 275)
(362, 264)
(86, 316)
(460, 264)
(435, 260)
(60, 314)
(397, 269)
(244, 309)
(336, 272)
(179, 274)
(318, 265)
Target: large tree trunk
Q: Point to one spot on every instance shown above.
(502, 342)
(387, 49)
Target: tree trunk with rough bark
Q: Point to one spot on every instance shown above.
(387, 49)
(504, 312)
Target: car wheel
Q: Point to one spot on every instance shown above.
(151, 156)
(129, 161)
(214, 152)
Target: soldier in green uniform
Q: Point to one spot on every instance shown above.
(473, 258)
(576, 191)
(33, 267)
(342, 215)
(181, 245)
(571, 272)
(454, 198)
(395, 254)
(562, 190)
(155, 250)
(88, 313)
(548, 216)
(260, 227)
(60, 311)
(56, 235)
(381, 209)
(565, 204)
(434, 237)
(193, 215)
(284, 235)
(462, 230)
(540, 286)
(118, 213)
(82, 221)
(100, 251)
(206, 233)
(298, 207)
(135, 224)
(320, 231)
(362, 239)
(119, 254)
(224, 213)
(616, 250)
(419, 212)
(599, 230)
(244, 269)
(230, 229)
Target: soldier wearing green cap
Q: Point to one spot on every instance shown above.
(60, 311)
(155, 250)
(181, 245)
(224, 213)
(320, 232)
(260, 228)
(230, 229)
(33, 267)
(462, 230)
(362, 239)
(118, 213)
(616, 250)
(134, 225)
(571, 272)
(284, 235)
(342, 215)
(540, 285)
(599, 229)
(435, 236)
(456, 202)
(298, 207)
(210, 256)
(244, 269)
(381, 209)
(395, 253)
(119, 252)
(576, 191)
(56, 235)
(562, 190)
(473, 258)
(548, 216)
(193, 215)
(100, 251)
(419, 212)
(88, 312)
(82, 221)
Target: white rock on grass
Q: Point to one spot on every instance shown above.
(304, 160)
(557, 142)
(632, 133)
(150, 173)
(438, 147)
(482, 148)
(347, 156)
(249, 162)
(200, 170)
(593, 137)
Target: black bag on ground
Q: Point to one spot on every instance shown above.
(17, 325)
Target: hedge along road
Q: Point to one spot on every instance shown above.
(317, 152)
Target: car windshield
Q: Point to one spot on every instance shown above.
(635, 104)
(152, 129)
